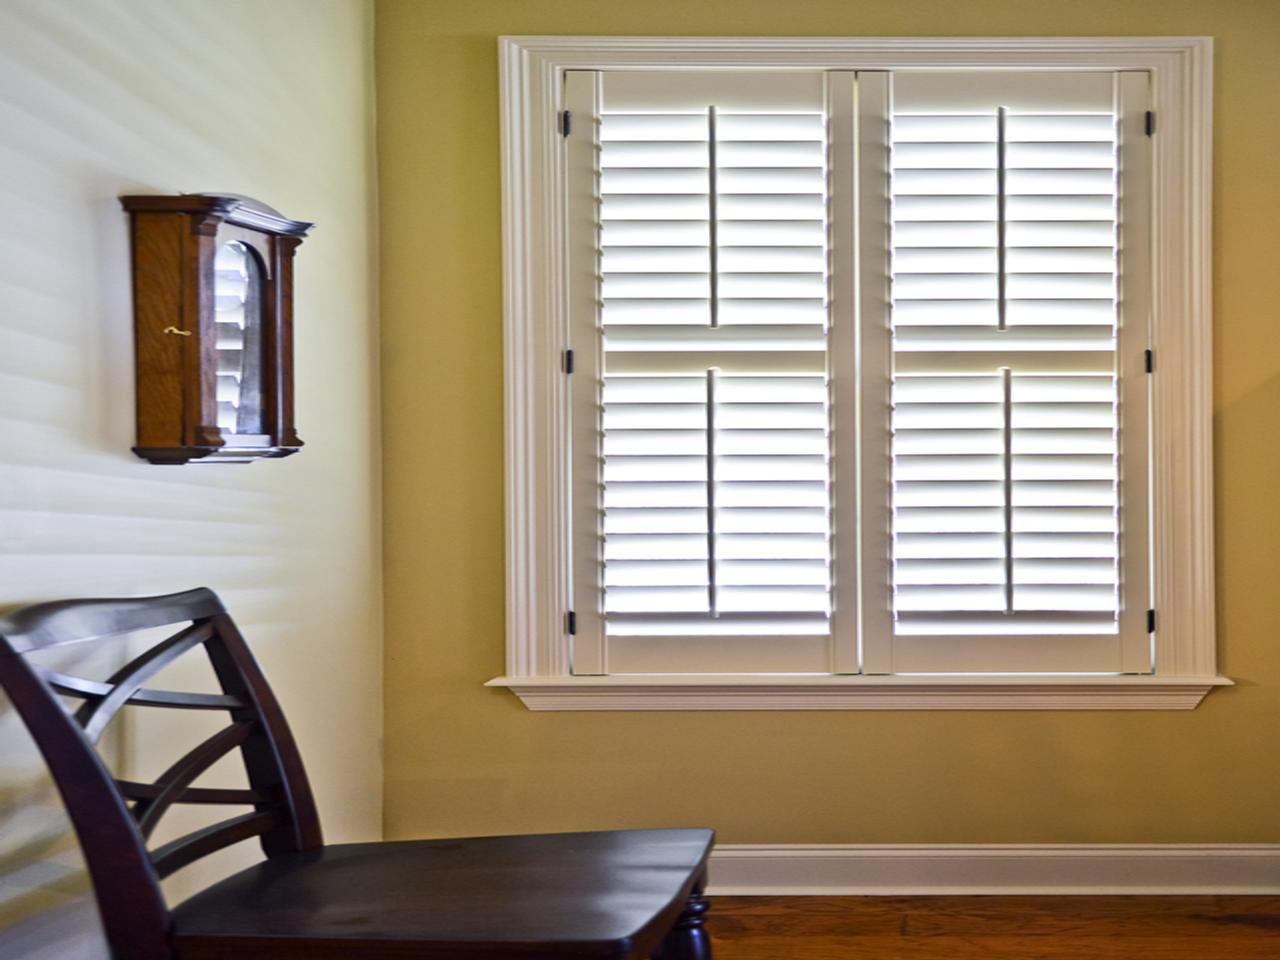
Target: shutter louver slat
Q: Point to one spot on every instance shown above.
(1005, 477)
(715, 485)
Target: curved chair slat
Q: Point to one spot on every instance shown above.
(183, 773)
(95, 715)
(142, 697)
(187, 849)
(73, 621)
(133, 790)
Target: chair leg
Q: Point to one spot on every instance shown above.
(688, 939)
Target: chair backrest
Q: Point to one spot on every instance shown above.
(114, 818)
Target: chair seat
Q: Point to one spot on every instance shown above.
(603, 894)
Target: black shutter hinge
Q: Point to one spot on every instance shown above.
(566, 122)
(1149, 122)
(568, 361)
(572, 622)
(1150, 360)
(1151, 621)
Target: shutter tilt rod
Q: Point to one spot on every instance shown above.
(1006, 376)
(1001, 282)
(712, 588)
(713, 217)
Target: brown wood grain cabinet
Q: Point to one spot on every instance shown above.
(213, 328)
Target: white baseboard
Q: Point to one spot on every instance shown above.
(887, 869)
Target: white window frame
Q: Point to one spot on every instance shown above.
(536, 295)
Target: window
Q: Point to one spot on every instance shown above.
(855, 407)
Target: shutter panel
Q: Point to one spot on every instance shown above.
(713, 451)
(1006, 401)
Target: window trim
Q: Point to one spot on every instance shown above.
(536, 394)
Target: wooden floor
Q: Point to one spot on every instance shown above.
(995, 928)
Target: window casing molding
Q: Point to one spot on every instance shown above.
(536, 296)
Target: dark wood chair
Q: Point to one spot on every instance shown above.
(616, 894)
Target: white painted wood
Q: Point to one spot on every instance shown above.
(1060, 653)
(842, 366)
(1021, 92)
(855, 53)
(875, 365)
(678, 91)
(1133, 336)
(536, 395)
(582, 98)
(532, 70)
(975, 869)
(649, 624)
(823, 692)
(1182, 341)
(1025, 641)
(719, 654)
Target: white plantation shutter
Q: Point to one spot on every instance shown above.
(707, 459)
(1018, 528)
(940, 467)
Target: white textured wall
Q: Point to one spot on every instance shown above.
(273, 99)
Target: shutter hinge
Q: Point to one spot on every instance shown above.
(568, 361)
(1151, 621)
(566, 122)
(1149, 360)
(1149, 122)
(571, 621)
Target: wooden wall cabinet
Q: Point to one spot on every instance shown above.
(213, 328)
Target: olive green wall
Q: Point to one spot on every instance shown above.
(462, 758)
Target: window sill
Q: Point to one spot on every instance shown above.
(801, 692)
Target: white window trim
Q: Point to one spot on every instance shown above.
(536, 400)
